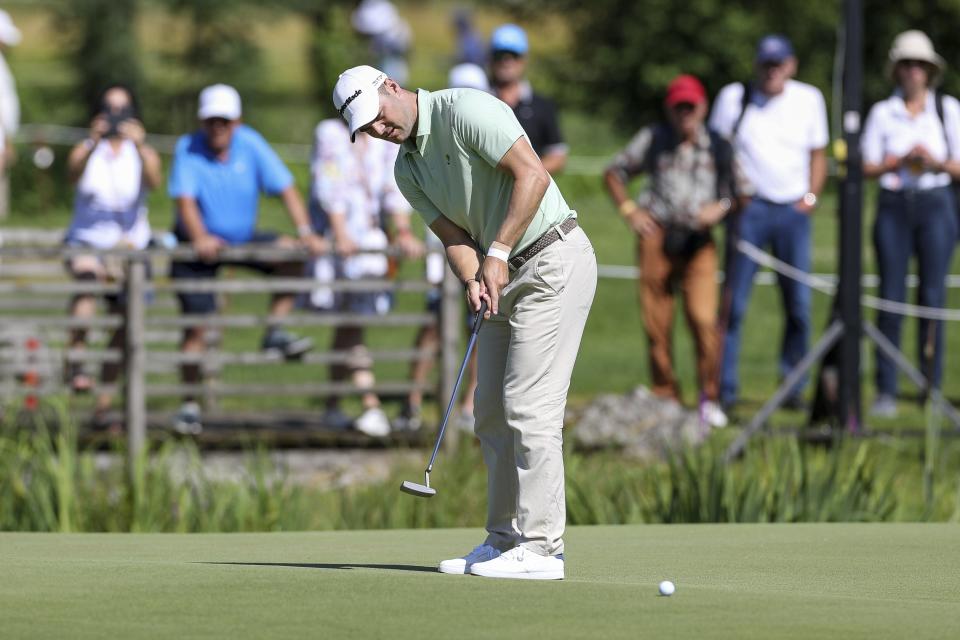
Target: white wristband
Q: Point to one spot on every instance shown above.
(499, 254)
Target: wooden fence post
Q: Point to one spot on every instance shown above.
(451, 322)
(135, 399)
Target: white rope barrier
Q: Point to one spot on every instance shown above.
(826, 286)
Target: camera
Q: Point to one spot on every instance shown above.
(114, 118)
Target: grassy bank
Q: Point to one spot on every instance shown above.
(48, 484)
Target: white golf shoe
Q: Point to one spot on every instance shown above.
(461, 566)
(521, 563)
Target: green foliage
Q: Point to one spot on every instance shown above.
(103, 48)
(48, 484)
(624, 53)
(220, 49)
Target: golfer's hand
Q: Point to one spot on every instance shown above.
(494, 276)
(207, 247)
(474, 299)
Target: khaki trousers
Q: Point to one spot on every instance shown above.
(696, 278)
(526, 355)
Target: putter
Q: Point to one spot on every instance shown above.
(425, 490)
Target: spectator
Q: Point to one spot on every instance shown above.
(9, 109)
(911, 142)
(353, 192)
(470, 49)
(462, 76)
(113, 170)
(537, 115)
(468, 76)
(694, 183)
(778, 128)
(388, 33)
(217, 176)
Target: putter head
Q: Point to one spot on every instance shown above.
(417, 489)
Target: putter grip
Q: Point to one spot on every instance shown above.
(478, 320)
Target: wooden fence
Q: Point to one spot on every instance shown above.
(34, 295)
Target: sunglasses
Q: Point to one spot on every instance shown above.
(216, 122)
(912, 63)
(499, 56)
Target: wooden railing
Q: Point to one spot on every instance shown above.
(35, 291)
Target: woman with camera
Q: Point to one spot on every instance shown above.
(911, 143)
(113, 169)
(694, 182)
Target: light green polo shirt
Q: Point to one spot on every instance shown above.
(449, 166)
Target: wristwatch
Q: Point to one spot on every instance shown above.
(810, 199)
(725, 204)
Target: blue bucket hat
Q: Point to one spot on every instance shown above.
(509, 37)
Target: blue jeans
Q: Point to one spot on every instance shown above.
(921, 223)
(787, 232)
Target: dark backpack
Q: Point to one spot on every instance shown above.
(665, 139)
(681, 241)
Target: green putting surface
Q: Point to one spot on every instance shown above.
(733, 581)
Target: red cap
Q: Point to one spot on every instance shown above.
(685, 88)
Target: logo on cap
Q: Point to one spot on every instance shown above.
(346, 103)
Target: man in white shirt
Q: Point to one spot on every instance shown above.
(778, 127)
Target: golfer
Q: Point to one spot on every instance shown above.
(467, 167)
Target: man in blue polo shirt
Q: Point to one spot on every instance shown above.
(216, 180)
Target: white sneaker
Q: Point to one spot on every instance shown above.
(713, 415)
(373, 422)
(461, 566)
(523, 564)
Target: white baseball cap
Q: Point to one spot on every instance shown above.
(468, 76)
(219, 101)
(355, 96)
(9, 34)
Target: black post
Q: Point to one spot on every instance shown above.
(851, 221)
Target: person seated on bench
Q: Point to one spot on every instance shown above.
(218, 174)
(113, 170)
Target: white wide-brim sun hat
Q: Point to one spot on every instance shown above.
(915, 45)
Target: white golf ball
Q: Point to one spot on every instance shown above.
(667, 588)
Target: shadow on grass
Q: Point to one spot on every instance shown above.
(345, 565)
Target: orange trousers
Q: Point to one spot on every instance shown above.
(661, 276)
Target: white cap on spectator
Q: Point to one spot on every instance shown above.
(355, 96)
(468, 76)
(219, 101)
(9, 34)
(374, 16)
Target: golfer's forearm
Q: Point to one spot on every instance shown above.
(464, 261)
(528, 191)
(461, 251)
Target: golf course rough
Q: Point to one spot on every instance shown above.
(734, 581)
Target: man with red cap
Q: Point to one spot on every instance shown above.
(694, 182)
